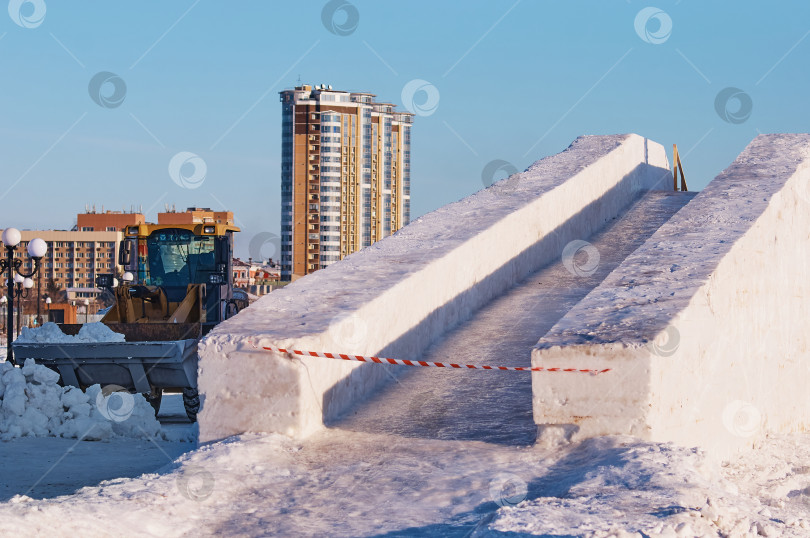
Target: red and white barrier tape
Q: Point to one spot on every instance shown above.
(404, 362)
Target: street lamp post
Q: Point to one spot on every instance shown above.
(39, 298)
(37, 248)
(48, 303)
(4, 304)
(23, 286)
(86, 304)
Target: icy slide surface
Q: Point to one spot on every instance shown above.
(705, 325)
(496, 406)
(398, 296)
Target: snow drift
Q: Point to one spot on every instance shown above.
(399, 295)
(705, 326)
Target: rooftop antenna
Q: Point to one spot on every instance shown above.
(299, 79)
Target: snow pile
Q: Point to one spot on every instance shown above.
(33, 404)
(51, 333)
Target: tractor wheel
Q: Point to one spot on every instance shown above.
(154, 399)
(191, 401)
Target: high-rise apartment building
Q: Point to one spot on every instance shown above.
(345, 175)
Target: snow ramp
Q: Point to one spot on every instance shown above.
(705, 326)
(496, 407)
(397, 297)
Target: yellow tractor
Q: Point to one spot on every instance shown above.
(178, 284)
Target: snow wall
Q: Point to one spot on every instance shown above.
(705, 326)
(395, 298)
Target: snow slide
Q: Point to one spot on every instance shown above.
(705, 326)
(398, 296)
(496, 407)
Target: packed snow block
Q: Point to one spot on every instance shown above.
(395, 298)
(705, 327)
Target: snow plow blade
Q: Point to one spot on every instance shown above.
(138, 364)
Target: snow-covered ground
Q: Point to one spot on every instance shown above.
(44, 467)
(341, 483)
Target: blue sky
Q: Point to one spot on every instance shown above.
(516, 81)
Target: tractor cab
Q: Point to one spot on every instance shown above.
(174, 266)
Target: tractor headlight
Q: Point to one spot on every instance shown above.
(216, 278)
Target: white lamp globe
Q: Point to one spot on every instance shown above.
(11, 237)
(86, 302)
(18, 278)
(128, 277)
(115, 282)
(3, 300)
(48, 300)
(37, 248)
(28, 283)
